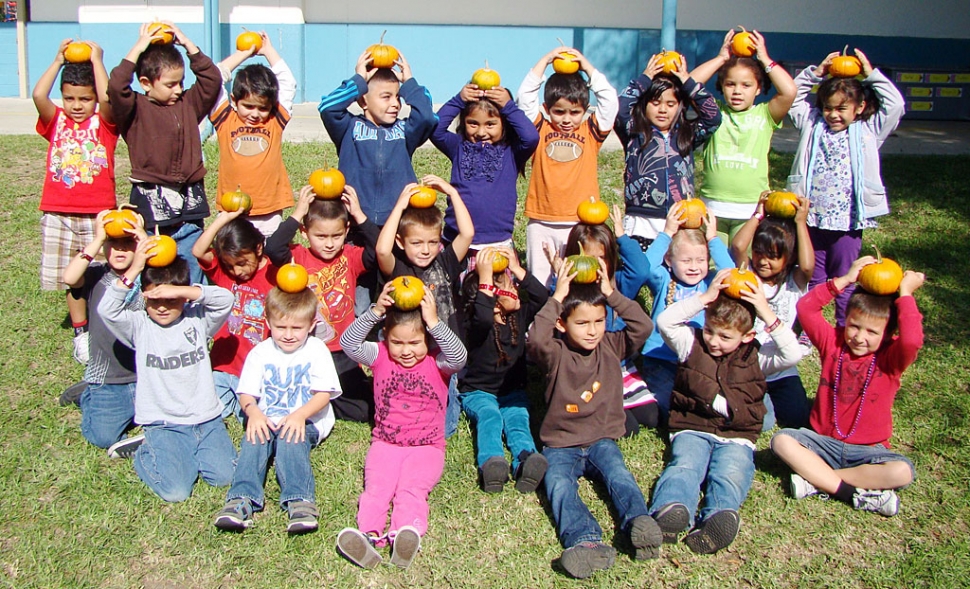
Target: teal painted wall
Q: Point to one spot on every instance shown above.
(9, 82)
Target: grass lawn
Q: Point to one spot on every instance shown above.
(70, 517)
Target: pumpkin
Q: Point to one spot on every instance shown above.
(694, 211)
(381, 55)
(77, 52)
(670, 60)
(565, 63)
(292, 278)
(162, 251)
(247, 40)
(742, 44)
(116, 221)
(499, 262)
(162, 35)
(584, 267)
(424, 197)
(592, 211)
(738, 281)
(782, 204)
(486, 78)
(882, 277)
(408, 292)
(235, 200)
(845, 66)
(327, 184)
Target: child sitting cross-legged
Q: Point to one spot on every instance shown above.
(716, 410)
(285, 390)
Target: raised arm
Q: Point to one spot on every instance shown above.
(385, 241)
(202, 249)
(100, 82)
(422, 121)
(453, 355)
(443, 138)
(333, 107)
(466, 228)
(46, 109)
(278, 244)
(785, 90)
(742, 240)
(705, 71)
(806, 252)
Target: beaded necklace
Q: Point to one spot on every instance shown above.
(862, 400)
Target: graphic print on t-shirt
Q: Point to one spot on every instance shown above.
(77, 156)
(246, 319)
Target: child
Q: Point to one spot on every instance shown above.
(334, 267)
(230, 252)
(407, 452)
(837, 162)
(493, 142)
(783, 258)
(285, 390)
(161, 130)
(584, 416)
(108, 401)
(659, 140)
(175, 401)
(250, 132)
(492, 387)
(736, 157)
(375, 149)
(564, 169)
(845, 455)
(80, 178)
(716, 411)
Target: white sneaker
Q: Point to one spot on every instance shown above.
(126, 447)
(81, 351)
(883, 502)
(800, 488)
(358, 548)
(405, 547)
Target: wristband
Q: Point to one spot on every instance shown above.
(505, 293)
(758, 216)
(487, 288)
(774, 325)
(85, 256)
(834, 290)
(124, 280)
(770, 67)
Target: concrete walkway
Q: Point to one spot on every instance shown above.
(18, 117)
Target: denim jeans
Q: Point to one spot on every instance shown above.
(725, 469)
(838, 454)
(601, 461)
(173, 456)
(185, 237)
(293, 470)
(492, 416)
(107, 412)
(787, 403)
(454, 407)
(226, 385)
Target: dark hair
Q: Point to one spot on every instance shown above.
(157, 59)
(78, 74)
(256, 80)
(296, 305)
(764, 82)
(879, 306)
(601, 234)
(431, 218)
(775, 238)
(176, 273)
(490, 108)
(395, 317)
(853, 90)
(469, 292)
(660, 84)
(383, 75)
(238, 237)
(572, 87)
(326, 210)
(590, 294)
(730, 313)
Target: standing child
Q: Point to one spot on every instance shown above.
(250, 131)
(79, 181)
(493, 142)
(837, 162)
(161, 130)
(564, 169)
(845, 454)
(285, 390)
(659, 140)
(407, 451)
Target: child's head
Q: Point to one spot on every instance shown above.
(165, 311)
(256, 93)
(688, 257)
(481, 122)
(291, 317)
(740, 80)
(161, 70)
(844, 101)
(419, 234)
(869, 320)
(566, 98)
(664, 106)
(773, 250)
(598, 241)
(728, 323)
(239, 247)
(405, 336)
(583, 318)
(506, 304)
(325, 227)
(119, 253)
(78, 93)
(381, 103)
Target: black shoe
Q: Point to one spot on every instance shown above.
(581, 560)
(532, 467)
(495, 473)
(646, 536)
(72, 394)
(126, 448)
(673, 519)
(714, 533)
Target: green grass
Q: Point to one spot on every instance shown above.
(69, 517)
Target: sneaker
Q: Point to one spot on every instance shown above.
(405, 547)
(82, 352)
(358, 548)
(72, 394)
(494, 473)
(714, 533)
(882, 502)
(530, 472)
(800, 488)
(673, 519)
(585, 558)
(126, 447)
(646, 536)
(236, 516)
(303, 517)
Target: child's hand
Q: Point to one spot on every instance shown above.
(307, 196)
(853, 274)
(564, 277)
(910, 282)
(267, 45)
(471, 93)
(616, 215)
(292, 428)
(866, 66)
(437, 183)
(352, 204)
(429, 308)
(97, 53)
(710, 225)
(717, 285)
(361, 68)
(384, 300)
(552, 254)
(552, 55)
(604, 277)
(823, 68)
(675, 220)
(172, 291)
(140, 259)
(483, 264)
(760, 49)
(756, 296)
(724, 53)
(258, 427)
(654, 67)
(138, 231)
(180, 38)
(59, 58)
(100, 236)
(405, 197)
(801, 211)
(499, 96)
(682, 72)
(405, 74)
(515, 267)
(759, 209)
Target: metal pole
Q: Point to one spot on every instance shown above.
(668, 27)
(213, 40)
(22, 47)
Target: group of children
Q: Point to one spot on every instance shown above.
(715, 370)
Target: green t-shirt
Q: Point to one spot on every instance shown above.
(736, 156)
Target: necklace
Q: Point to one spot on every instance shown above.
(862, 400)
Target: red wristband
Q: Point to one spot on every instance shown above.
(85, 256)
(124, 280)
(487, 288)
(830, 284)
(774, 325)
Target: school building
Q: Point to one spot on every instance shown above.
(924, 44)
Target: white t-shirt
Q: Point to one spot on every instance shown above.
(782, 299)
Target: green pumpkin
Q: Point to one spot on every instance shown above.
(585, 267)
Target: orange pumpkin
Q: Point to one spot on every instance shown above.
(593, 212)
(670, 60)
(424, 197)
(740, 280)
(247, 40)
(77, 52)
(585, 267)
(408, 292)
(486, 78)
(327, 184)
(162, 251)
(381, 55)
(694, 211)
(116, 221)
(742, 44)
(565, 63)
(161, 33)
(882, 277)
(845, 66)
(292, 278)
(782, 204)
(235, 200)
(499, 263)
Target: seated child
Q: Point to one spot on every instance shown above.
(584, 417)
(175, 400)
(716, 410)
(407, 451)
(492, 387)
(285, 391)
(845, 454)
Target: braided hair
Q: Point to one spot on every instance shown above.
(469, 291)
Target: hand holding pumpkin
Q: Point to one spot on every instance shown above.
(756, 296)
(484, 265)
(306, 197)
(674, 219)
(564, 277)
(470, 93)
(710, 225)
(866, 66)
(515, 267)
(717, 285)
(910, 282)
(823, 68)
(654, 66)
(429, 309)
(606, 285)
(384, 300)
(352, 204)
(499, 95)
(801, 210)
(852, 275)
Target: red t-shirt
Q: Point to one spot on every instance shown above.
(80, 175)
(335, 284)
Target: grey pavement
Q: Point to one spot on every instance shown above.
(18, 117)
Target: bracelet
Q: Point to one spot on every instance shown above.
(487, 288)
(774, 325)
(834, 290)
(770, 66)
(85, 256)
(758, 216)
(124, 280)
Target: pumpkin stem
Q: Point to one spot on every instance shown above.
(156, 230)
(592, 198)
(878, 254)
(561, 42)
(743, 267)
(486, 64)
(582, 252)
(381, 42)
(743, 30)
(845, 50)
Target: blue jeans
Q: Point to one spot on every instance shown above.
(725, 469)
(788, 402)
(293, 470)
(107, 412)
(226, 385)
(494, 415)
(600, 461)
(838, 454)
(454, 408)
(185, 237)
(174, 456)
